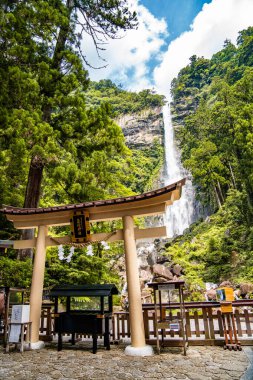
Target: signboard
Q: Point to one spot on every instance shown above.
(225, 296)
(166, 287)
(80, 227)
(226, 307)
(174, 326)
(19, 314)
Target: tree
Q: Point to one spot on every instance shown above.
(58, 67)
(43, 78)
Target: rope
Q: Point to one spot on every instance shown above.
(85, 244)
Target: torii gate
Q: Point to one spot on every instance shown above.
(151, 203)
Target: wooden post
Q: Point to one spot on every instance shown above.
(37, 284)
(134, 292)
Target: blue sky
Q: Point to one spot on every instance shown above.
(169, 33)
(179, 14)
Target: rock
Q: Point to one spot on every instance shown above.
(159, 279)
(177, 269)
(245, 289)
(141, 129)
(162, 271)
(226, 284)
(210, 295)
(151, 259)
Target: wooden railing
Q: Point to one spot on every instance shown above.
(203, 323)
(46, 323)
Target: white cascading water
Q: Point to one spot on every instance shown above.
(180, 214)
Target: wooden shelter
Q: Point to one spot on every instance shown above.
(94, 319)
(125, 208)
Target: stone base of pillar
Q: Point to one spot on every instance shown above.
(37, 345)
(139, 351)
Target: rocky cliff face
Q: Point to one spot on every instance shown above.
(141, 129)
(184, 106)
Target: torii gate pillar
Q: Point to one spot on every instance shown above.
(37, 286)
(138, 345)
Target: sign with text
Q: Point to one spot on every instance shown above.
(20, 314)
(166, 287)
(80, 227)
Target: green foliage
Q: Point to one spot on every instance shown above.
(53, 148)
(15, 273)
(121, 101)
(56, 148)
(146, 167)
(82, 269)
(218, 249)
(145, 164)
(44, 122)
(216, 139)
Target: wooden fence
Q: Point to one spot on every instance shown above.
(203, 323)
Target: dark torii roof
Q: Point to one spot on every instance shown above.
(86, 290)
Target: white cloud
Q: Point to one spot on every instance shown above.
(129, 56)
(218, 21)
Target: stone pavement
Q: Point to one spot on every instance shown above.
(201, 363)
(248, 375)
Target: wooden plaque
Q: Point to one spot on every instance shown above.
(80, 227)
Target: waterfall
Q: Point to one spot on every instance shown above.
(181, 213)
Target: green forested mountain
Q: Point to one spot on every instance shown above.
(213, 111)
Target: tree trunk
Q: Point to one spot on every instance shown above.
(217, 196)
(32, 198)
(32, 195)
(220, 192)
(232, 175)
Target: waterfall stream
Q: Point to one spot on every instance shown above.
(179, 215)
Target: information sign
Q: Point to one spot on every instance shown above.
(166, 287)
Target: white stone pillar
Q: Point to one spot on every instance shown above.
(37, 286)
(138, 345)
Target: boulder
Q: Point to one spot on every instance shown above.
(159, 279)
(210, 295)
(161, 271)
(177, 269)
(245, 289)
(226, 284)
